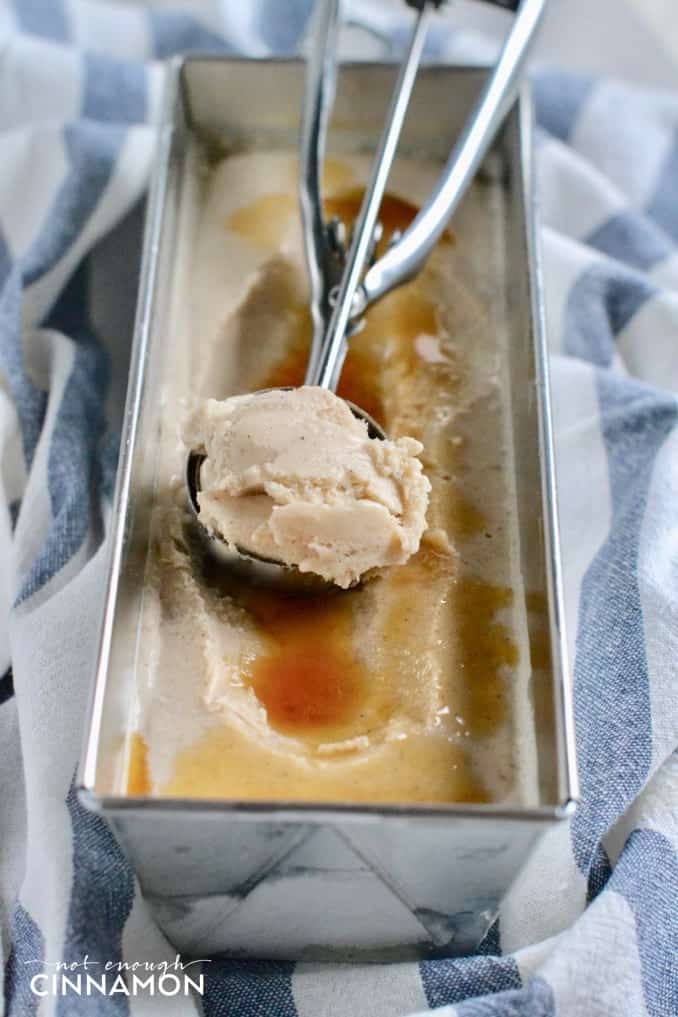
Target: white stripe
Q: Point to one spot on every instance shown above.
(564, 261)
(12, 480)
(582, 469)
(442, 1011)
(596, 970)
(156, 73)
(660, 17)
(618, 364)
(666, 272)
(142, 941)
(376, 14)
(656, 808)
(574, 197)
(207, 12)
(118, 30)
(13, 477)
(53, 674)
(8, 23)
(13, 801)
(632, 151)
(530, 958)
(649, 343)
(49, 361)
(335, 990)
(33, 165)
(210, 12)
(548, 895)
(238, 23)
(39, 81)
(470, 47)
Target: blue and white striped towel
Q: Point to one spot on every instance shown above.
(591, 926)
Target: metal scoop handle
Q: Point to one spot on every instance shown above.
(327, 367)
(405, 258)
(319, 88)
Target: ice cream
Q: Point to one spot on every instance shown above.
(292, 475)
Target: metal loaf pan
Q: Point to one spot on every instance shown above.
(283, 879)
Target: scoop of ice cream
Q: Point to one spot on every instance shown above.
(293, 475)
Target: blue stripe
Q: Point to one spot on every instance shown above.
(26, 958)
(632, 239)
(113, 90)
(14, 509)
(72, 467)
(6, 686)
(535, 1000)
(108, 459)
(600, 305)
(5, 259)
(663, 207)
(248, 988)
(175, 32)
(599, 874)
(491, 944)
(447, 982)
(281, 26)
(646, 875)
(559, 98)
(30, 402)
(102, 894)
(92, 151)
(46, 18)
(611, 691)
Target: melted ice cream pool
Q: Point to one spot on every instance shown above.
(413, 687)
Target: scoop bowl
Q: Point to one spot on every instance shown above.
(248, 564)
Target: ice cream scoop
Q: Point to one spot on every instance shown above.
(334, 276)
(341, 288)
(292, 476)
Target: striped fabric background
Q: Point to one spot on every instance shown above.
(591, 926)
